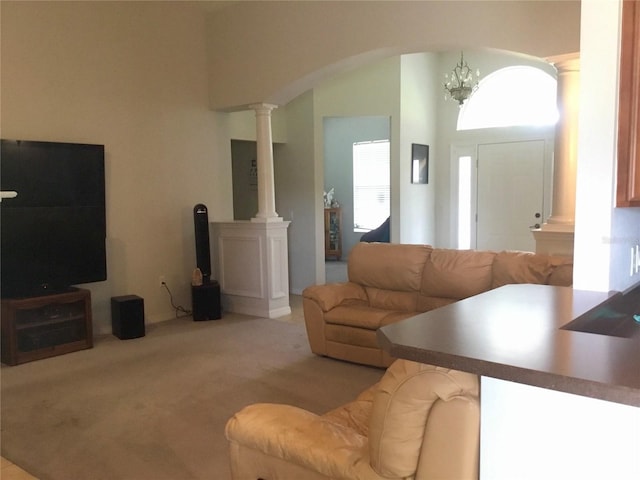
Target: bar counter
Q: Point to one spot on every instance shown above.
(527, 334)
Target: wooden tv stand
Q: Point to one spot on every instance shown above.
(41, 327)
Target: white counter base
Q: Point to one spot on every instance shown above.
(534, 433)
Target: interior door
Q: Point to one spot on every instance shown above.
(510, 189)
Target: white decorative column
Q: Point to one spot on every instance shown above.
(253, 256)
(266, 189)
(556, 235)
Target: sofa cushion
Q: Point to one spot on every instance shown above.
(340, 336)
(457, 274)
(521, 267)
(355, 415)
(431, 303)
(363, 316)
(388, 266)
(401, 409)
(332, 294)
(305, 441)
(392, 300)
(562, 274)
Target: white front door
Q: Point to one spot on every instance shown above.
(510, 193)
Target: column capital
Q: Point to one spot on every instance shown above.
(567, 62)
(263, 107)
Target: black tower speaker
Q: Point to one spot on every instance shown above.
(127, 317)
(205, 300)
(203, 256)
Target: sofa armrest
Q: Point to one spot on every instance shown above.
(300, 437)
(333, 294)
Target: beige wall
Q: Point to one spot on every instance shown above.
(273, 51)
(420, 88)
(131, 76)
(295, 181)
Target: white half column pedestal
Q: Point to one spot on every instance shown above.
(554, 239)
(251, 264)
(252, 259)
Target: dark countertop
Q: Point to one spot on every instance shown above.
(515, 333)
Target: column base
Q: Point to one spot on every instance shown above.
(266, 219)
(556, 224)
(555, 239)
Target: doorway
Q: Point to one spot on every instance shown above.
(504, 196)
(339, 136)
(510, 195)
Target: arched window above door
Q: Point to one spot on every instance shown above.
(512, 96)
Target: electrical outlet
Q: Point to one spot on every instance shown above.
(161, 281)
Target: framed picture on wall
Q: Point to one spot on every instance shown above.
(419, 163)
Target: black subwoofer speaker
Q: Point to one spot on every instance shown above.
(206, 301)
(127, 316)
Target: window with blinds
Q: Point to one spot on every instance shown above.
(371, 189)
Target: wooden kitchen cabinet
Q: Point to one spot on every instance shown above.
(628, 180)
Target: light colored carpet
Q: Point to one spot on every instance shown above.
(155, 407)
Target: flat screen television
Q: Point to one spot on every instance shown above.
(53, 233)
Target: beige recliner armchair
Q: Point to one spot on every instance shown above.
(419, 422)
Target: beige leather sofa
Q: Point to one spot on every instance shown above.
(391, 282)
(419, 422)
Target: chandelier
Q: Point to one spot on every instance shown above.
(461, 82)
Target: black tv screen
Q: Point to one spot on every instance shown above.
(53, 233)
